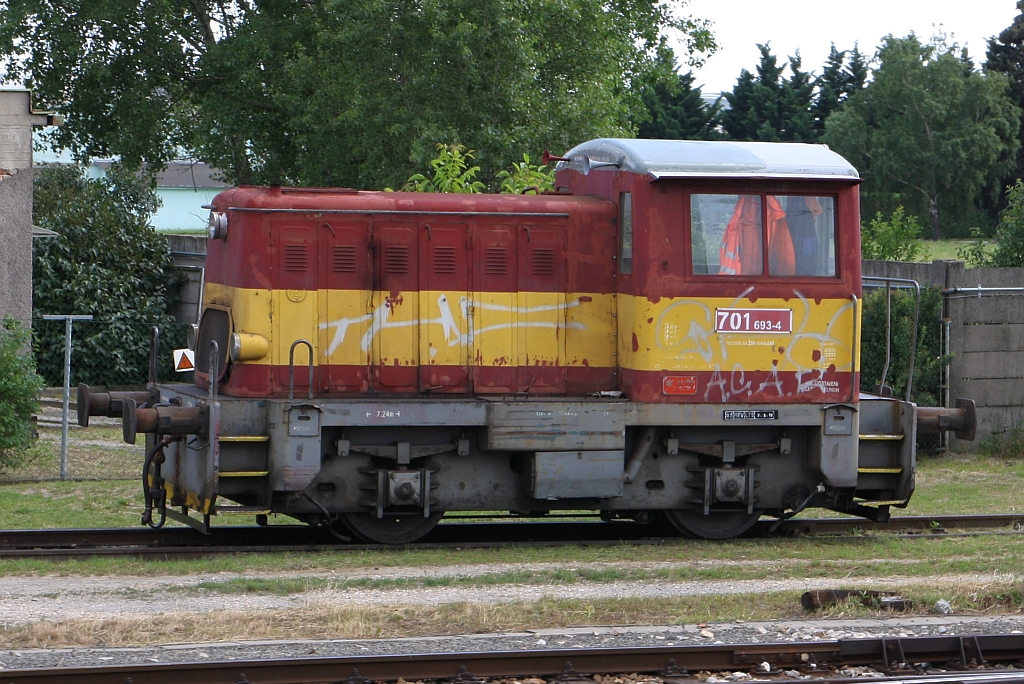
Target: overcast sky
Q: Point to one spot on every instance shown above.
(810, 26)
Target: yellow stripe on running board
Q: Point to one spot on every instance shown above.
(245, 473)
(245, 438)
(880, 471)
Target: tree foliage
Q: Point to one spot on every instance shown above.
(678, 112)
(840, 79)
(929, 131)
(107, 261)
(332, 92)
(19, 390)
(1006, 55)
(769, 107)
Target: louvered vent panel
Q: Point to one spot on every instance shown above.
(396, 259)
(543, 261)
(496, 261)
(344, 259)
(296, 257)
(444, 261)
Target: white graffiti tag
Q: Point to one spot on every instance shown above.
(380, 320)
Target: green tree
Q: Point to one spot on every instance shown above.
(19, 391)
(678, 112)
(107, 261)
(1006, 55)
(840, 78)
(333, 92)
(771, 107)
(929, 131)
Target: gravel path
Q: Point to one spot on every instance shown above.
(55, 598)
(753, 632)
(25, 600)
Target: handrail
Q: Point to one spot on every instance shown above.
(853, 351)
(888, 318)
(154, 352)
(291, 368)
(214, 368)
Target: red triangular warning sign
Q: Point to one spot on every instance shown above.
(183, 360)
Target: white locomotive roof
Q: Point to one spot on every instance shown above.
(698, 158)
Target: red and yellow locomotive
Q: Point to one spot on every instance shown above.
(674, 330)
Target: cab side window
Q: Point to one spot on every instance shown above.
(625, 233)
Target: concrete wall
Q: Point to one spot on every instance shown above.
(16, 122)
(16, 246)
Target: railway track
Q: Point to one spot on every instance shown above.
(184, 542)
(915, 660)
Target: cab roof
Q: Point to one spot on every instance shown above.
(709, 159)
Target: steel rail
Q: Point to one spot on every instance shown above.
(890, 654)
(182, 542)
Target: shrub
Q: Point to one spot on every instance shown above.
(928, 364)
(107, 261)
(451, 173)
(897, 238)
(1009, 249)
(19, 391)
(526, 177)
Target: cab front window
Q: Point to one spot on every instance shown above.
(742, 235)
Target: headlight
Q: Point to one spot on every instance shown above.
(248, 347)
(217, 226)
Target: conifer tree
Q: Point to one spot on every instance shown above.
(770, 107)
(679, 113)
(1006, 55)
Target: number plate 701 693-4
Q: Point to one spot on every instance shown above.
(753, 320)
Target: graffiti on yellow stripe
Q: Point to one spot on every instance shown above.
(454, 333)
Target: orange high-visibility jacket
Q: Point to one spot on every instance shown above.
(741, 243)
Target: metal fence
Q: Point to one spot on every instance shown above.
(104, 354)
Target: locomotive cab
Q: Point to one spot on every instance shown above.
(673, 333)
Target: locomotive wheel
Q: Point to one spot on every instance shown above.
(391, 529)
(716, 525)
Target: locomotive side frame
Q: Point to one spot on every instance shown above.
(386, 467)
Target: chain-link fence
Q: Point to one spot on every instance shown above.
(104, 355)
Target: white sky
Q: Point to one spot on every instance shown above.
(810, 26)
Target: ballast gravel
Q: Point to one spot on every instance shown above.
(541, 639)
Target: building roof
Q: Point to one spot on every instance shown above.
(722, 159)
(183, 174)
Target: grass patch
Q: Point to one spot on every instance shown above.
(946, 249)
(865, 556)
(318, 621)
